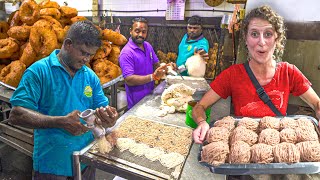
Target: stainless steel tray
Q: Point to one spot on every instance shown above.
(112, 82)
(7, 86)
(271, 168)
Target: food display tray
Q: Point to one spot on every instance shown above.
(270, 168)
(7, 86)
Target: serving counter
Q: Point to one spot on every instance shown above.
(148, 108)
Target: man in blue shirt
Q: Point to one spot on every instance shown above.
(193, 42)
(50, 96)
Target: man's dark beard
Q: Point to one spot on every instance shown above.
(140, 41)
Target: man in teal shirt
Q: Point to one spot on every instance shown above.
(193, 42)
(50, 96)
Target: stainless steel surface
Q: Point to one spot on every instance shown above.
(271, 168)
(7, 86)
(5, 93)
(147, 108)
(17, 144)
(112, 82)
(23, 134)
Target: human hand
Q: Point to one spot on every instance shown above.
(73, 125)
(202, 53)
(172, 65)
(199, 134)
(160, 72)
(107, 117)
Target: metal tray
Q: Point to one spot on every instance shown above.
(271, 168)
(112, 82)
(7, 86)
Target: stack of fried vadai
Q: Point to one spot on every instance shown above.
(35, 30)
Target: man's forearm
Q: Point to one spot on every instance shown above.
(135, 80)
(31, 119)
(198, 113)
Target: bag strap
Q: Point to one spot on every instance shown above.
(261, 92)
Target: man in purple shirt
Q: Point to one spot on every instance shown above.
(138, 61)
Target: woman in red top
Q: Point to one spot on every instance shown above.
(264, 34)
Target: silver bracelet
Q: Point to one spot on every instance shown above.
(151, 78)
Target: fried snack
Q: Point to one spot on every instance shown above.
(261, 153)
(60, 33)
(103, 51)
(239, 153)
(288, 135)
(269, 136)
(78, 18)
(43, 40)
(65, 21)
(15, 20)
(242, 134)
(8, 46)
(4, 26)
(12, 73)
(305, 133)
(215, 153)
(68, 12)
(227, 122)
(49, 4)
(305, 123)
(249, 123)
(29, 12)
(287, 122)
(20, 33)
(162, 57)
(53, 12)
(28, 56)
(309, 151)
(2, 66)
(286, 153)
(106, 70)
(269, 122)
(52, 21)
(115, 37)
(15, 56)
(114, 55)
(217, 134)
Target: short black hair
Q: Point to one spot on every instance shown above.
(195, 20)
(84, 32)
(139, 19)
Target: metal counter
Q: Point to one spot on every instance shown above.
(147, 108)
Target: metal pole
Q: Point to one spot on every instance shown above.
(76, 166)
(114, 95)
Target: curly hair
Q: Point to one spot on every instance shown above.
(84, 32)
(266, 13)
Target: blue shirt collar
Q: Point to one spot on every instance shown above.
(55, 60)
(194, 40)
